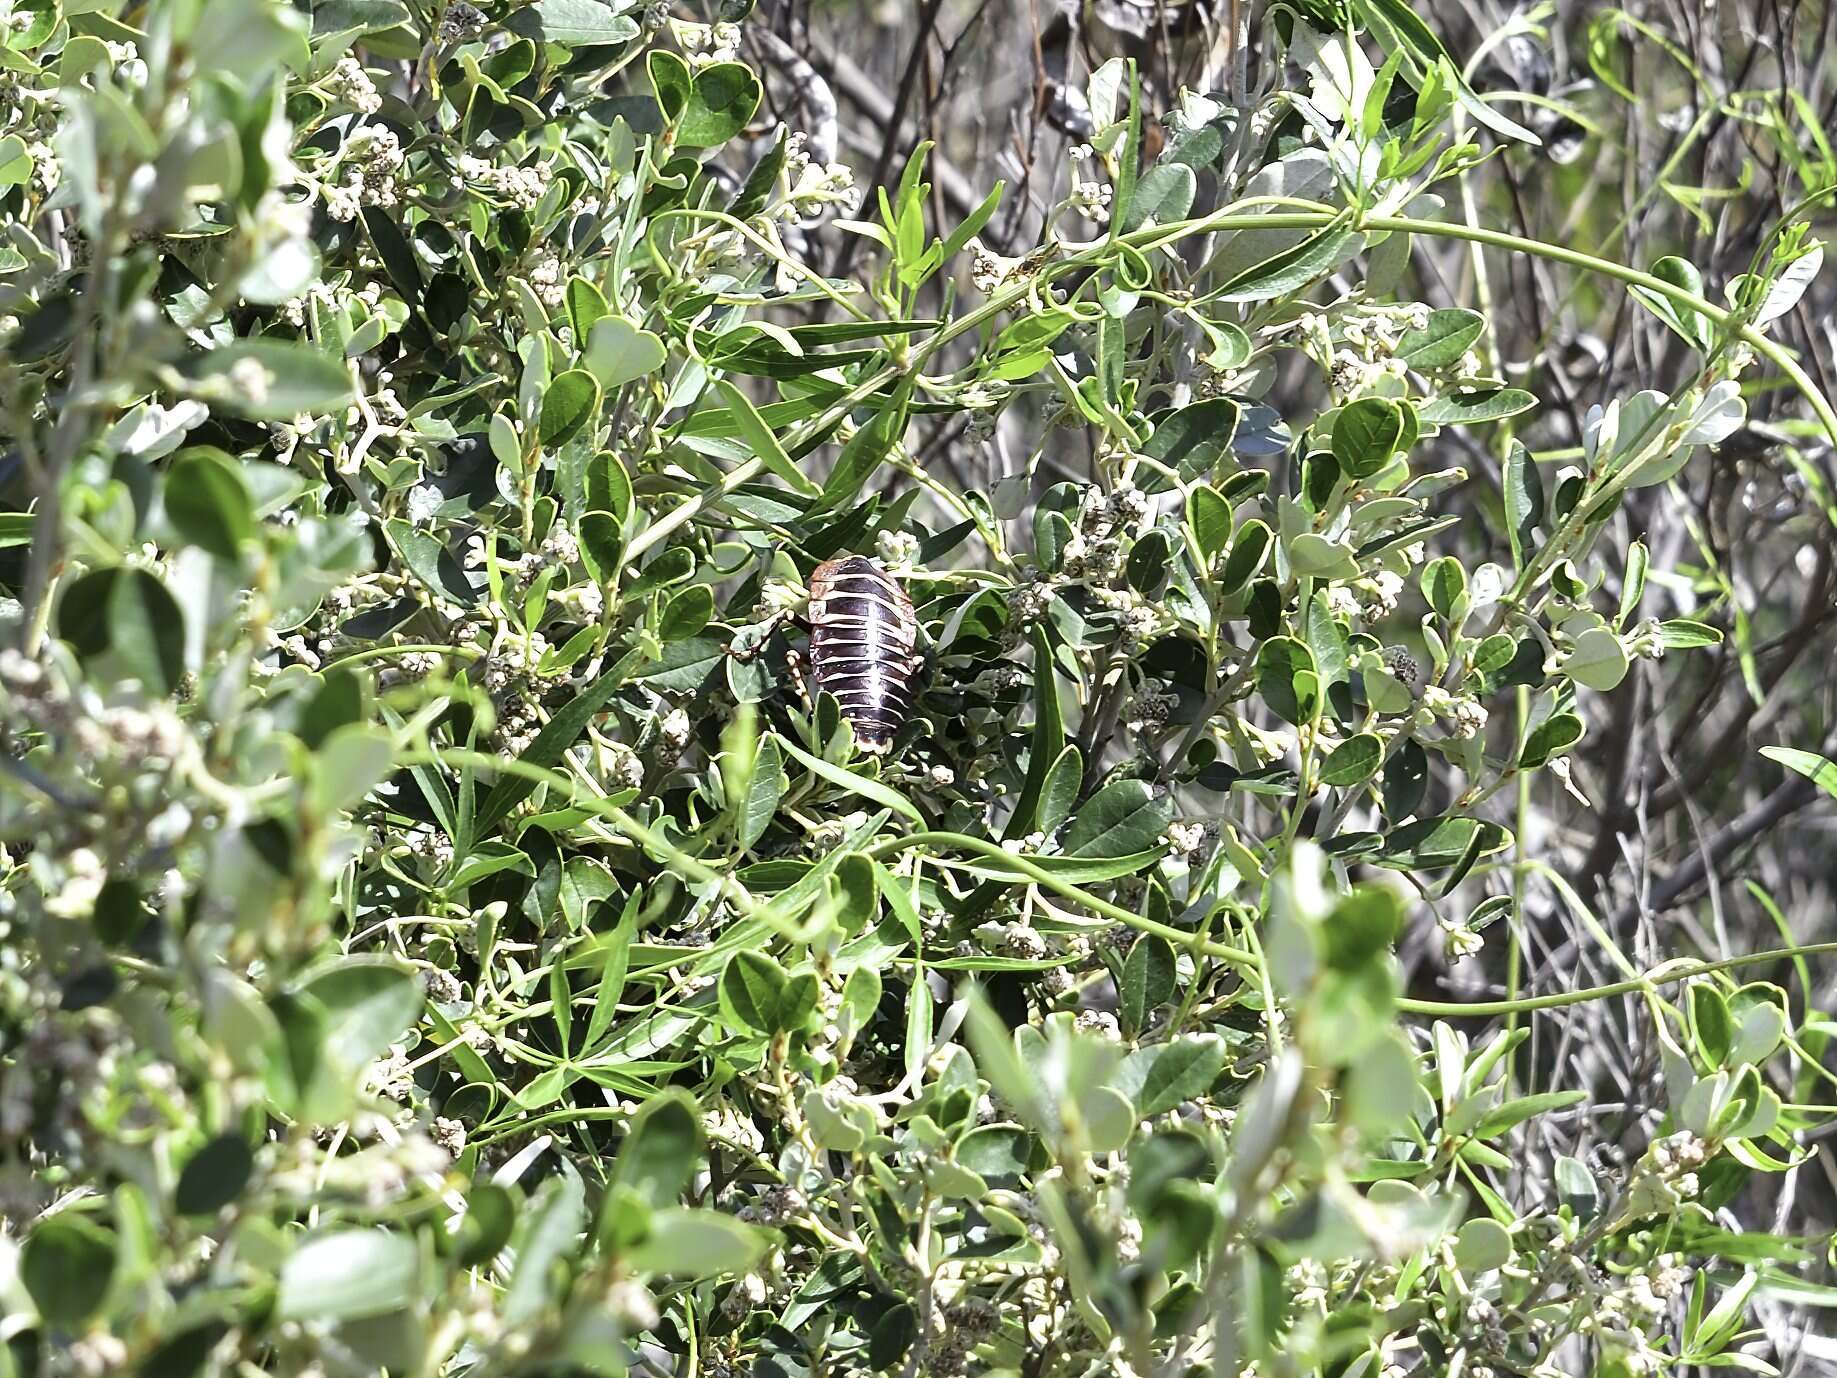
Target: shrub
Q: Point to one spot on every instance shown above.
(439, 939)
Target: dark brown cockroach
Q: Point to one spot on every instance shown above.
(864, 646)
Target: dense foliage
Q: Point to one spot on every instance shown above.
(440, 940)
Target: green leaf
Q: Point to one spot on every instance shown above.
(662, 1150)
(1598, 660)
(721, 100)
(1327, 640)
(1108, 1119)
(1192, 440)
(1353, 761)
(1209, 515)
(1433, 843)
(763, 791)
(1810, 764)
(1524, 503)
(1165, 1075)
(1482, 1245)
(1124, 816)
(561, 732)
(671, 79)
(1711, 1025)
(864, 452)
(1380, 1085)
(428, 559)
(1164, 195)
(1052, 532)
(572, 23)
(687, 613)
(208, 503)
(15, 162)
(1249, 549)
(1366, 435)
(1763, 1025)
(348, 764)
(1689, 324)
(1363, 926)
(861, 994)
(15, 529)
(1444, 585)
(368, 1003)
(1555, 735)
(1576, 1187)
(547, 1236)
(1397, 20)
(349, 1274)
(125, 614)
(1472, 408)
(689, 1243)
(1147, 982)
(617, 352)
(1494, 653)
(393, 248)
(1682, 634)
(1288, 680)
(1034, 330)
(1291, 269)
(1048, 739)
(752, 992)
(764, 441)
(683, 668)
(67, 1265)
(586, 308)
(829, 1126)
(855, 890)
(568, 404)
(1449, 334)
(215, 1175)
(1515, 1112)
(1314, 555)
(608, 487)
(999, 1153)
(1059, 792)
(491, 1214)
(267, 379)
(884, 795)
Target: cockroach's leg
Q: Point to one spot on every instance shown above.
(794, 664)
(763, 630)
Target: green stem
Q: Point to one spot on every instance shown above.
(1776, 354)
(1646, 981)
(1192, 942)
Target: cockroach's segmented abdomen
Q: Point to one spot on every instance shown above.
(863, 646)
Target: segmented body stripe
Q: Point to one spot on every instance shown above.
(863, 638)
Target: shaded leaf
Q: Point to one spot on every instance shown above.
(347, 1274)
(1124, 816)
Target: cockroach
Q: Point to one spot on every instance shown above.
(863, 647)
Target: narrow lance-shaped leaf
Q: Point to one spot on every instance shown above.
(1048, 737)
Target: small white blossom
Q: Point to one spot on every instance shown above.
(1185, 838)
(988, 269)
(461, 21)
(1099, 1022)
(423, 501)
(349, 84)
(897, 548)
(250, 379)
(676, 728)
(1092, 199)
(549, 281)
